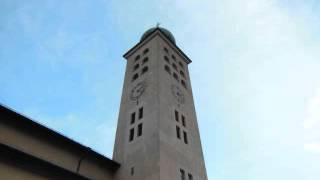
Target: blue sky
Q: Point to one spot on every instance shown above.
(255, 74)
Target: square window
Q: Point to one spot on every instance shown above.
(190, 177)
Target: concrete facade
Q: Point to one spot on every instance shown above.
(159, 152)
(29, 150)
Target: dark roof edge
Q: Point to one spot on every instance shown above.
(23, 160)
(34, 124)
(166, 39)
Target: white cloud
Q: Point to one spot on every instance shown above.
(312, 147)
(312, 119)
(311, 124)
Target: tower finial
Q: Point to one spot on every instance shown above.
(158, 24)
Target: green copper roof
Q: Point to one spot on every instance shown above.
(165, 31)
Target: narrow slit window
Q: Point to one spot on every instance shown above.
(178, 132)
(144, 70)
(141, 113)
(175, 76)
(140, 129)
(176, 115)
(133, 118)
(131, 135)
(182, 174)
(183, 84)
(185, 137)
(145, 60)
(174, 66)
(190, 177)
(167, 68)
(132, 171)
(183, 119)
(135, 76)
(137, 58)
(136, 67)
(146, 51)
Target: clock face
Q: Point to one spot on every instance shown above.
(178, 94)
(137, 91)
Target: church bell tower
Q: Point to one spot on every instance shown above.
(157, 135)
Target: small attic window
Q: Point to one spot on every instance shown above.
(166, 50)
(144, 70)
(146, 51)
(182, 74)
(184, 84)
(176, 76)
(180, 63)
(137, 58)
(167, 68)
(166, 59)
(146, 59)
(136, 67)
(173, 57)
(174, 66)
(135, 76)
